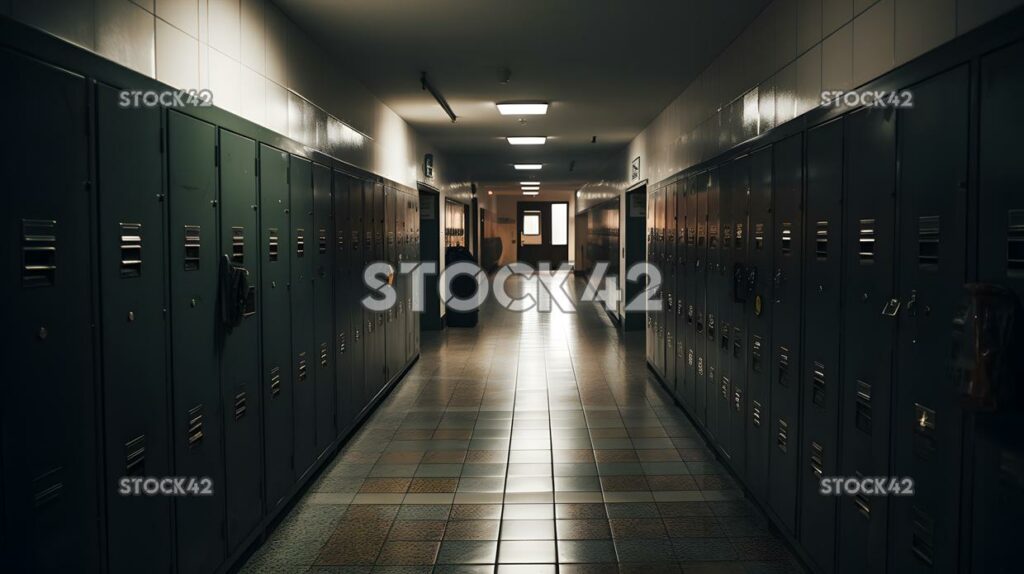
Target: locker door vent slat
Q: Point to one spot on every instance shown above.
(737, 400)
(725, 388)
(755, 354)
(135, 456)
(821, 240)
(195, 426)
(341, 342)
(724, 344)
(238, 245)
(303, 368)
(240, 404)
(131, 250)
(787, 238)
(275, 381)
(273, 244)
(782, 436)
(755, 413)
(866, 241)
(726, 236)
(923, 537)
(739, 235)
(48, 487)
(323, 354)
(1015, 243)
(818, 385)
(758, 236)
(700, 366)
(689, 357)
(862, 417)
(300, 242)
(928, 242)
(924, 431)
(711, 327)
(784, 366)
(817, 459)
(861, 501)
(192, 244)
(737, 343)
(38, 252)
(322, 241)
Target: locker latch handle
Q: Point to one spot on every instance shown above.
(891, 308)
(912, 304)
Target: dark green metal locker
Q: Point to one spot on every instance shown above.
(239, 344)
(343, 271)
(377, 368)
(275, 275)
(668, 278)
(759, 232)
(700, 265)
(362, 242)
(416, 256)
(784, 368)
(998, 488)
(740, 411)
(652, 259)
(323, 317)
(718, 413)
(402, 281)
(685, 393)
(392, 328)
(133, 284)
(868, 331)
(932, 266)
(50, 518)
(819, 443)
(679, 281)
(198, 428)
(713, 270)
(304, 353)
(659, 263)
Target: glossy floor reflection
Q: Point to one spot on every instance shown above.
(535, 442)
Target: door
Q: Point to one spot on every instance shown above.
(300, 178)
(543, 232)
(323, 305)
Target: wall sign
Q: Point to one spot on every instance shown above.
(634, 173)
(428, 166)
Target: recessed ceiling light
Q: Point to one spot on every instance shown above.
(531, 189)
(523, 109)
(529, 183)
(530, 192)
(527, 140)
(490, 192)
(522, 166)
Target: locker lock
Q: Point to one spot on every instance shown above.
(131, 316)
(891, 308)
(42, 333)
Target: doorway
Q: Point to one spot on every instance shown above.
(635, 251)
(542, 231)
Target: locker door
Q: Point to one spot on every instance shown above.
(47, 416)
(133, 274)
(734, 404)
(275, 259)
(718, 412)
(651, 260)
(416, 254)
(304, 352)
(668, 280)
(711, 298)
(239, 367)
(700, 296)
(379, 370)
(345, 401)
(679, 269)
(819, 442)
(371, 366)
(195, 263)
(757, 231)
(687, 393)
(867, 342)
(784, 368)
(323, 305)
(358, 316)
(392, 335)
(997, 493)
(932, 264)
(404, 245)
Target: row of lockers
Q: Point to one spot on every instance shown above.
(184, 300)
(811, 289)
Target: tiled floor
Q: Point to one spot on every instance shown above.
(533, 443)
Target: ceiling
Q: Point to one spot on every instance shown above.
(607, 67)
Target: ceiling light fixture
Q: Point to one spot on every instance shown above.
(523, 108)
(528, 166)
(529, 183)
(527, 140)
(437, 96)
(530, 192)
(531, 188)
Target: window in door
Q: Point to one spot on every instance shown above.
(531, 228)
(559, 224)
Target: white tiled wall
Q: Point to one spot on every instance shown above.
(254, 59)
(791, 52)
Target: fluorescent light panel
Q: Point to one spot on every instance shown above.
(530, 192)
(522, 166)
(529, 183)
(527, 140)
(523, 109)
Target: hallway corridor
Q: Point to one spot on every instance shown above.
(535, 442)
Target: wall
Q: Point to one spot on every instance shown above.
(255, 60)
(779, 65)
